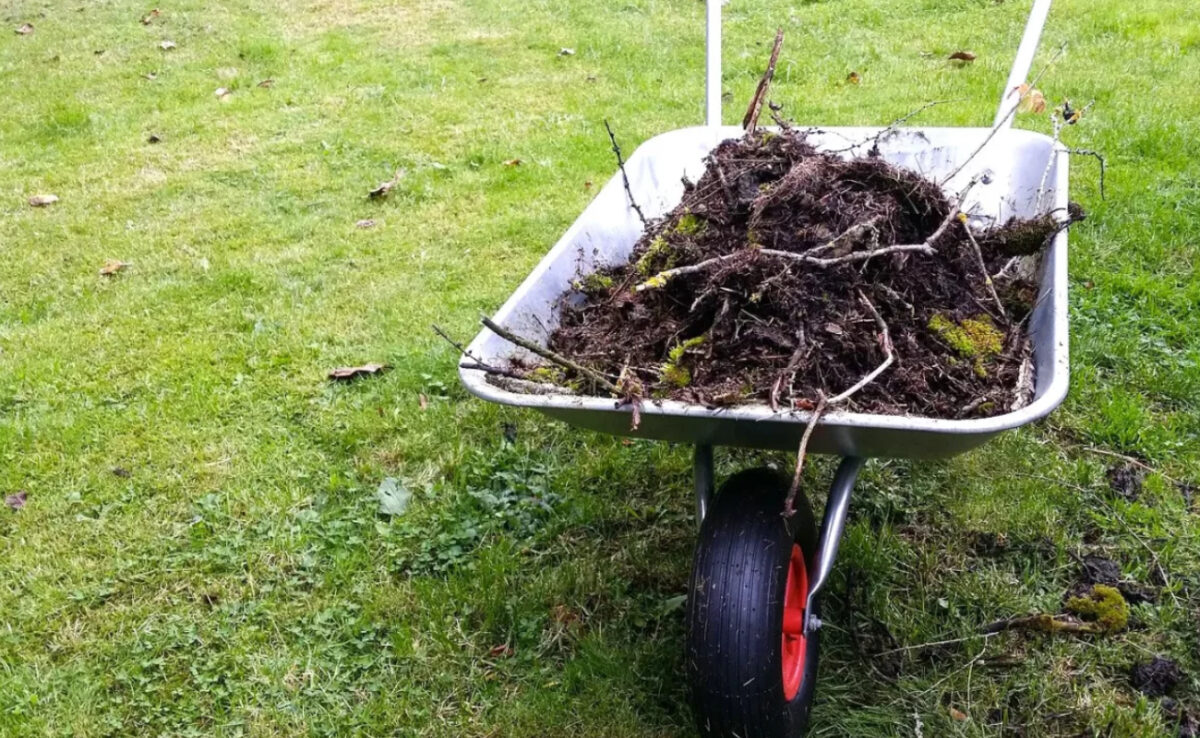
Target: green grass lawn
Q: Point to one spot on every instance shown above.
(200, 552)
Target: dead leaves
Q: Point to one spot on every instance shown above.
(41, 201)
(965, 57)
(154, 138)
(150, 76)
(365, 223)
(112, 266)
(166, 45)
(148, 18)
(512, 163)
(24, 29)
(267, 84)
(223, 93)
(566, 52)
(16, 501)
(384, 188)
(1032, 99)
(348, 373)
(853, 78)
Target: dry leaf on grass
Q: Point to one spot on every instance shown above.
(266, 83)
(25, 29)
(512, 163)
(112, 266)
(422, 401)
(963, 56)
(566, 52)
(957, 715)
(366, 223)
(222, 93)
(166, 45)
(384, 188)
(854, 78)
(16, 501)
(501, 651)
(148, 17)
(41, 201)
(150, 76)
(346, 373)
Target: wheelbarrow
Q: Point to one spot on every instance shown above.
(753, 620)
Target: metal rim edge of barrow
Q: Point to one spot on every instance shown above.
(1042, 405)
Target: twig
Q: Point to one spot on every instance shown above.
(789, 505)
(661, 279)
(822, 403)
(893, 127)
(549, 355)
(494, 370)
(1041, 190)
(479, 363)
(1132, 460)
(1041, 622)
(1012, 111)
(750, 122)
(987, 278)
(1099, 157)
(526, 387)
(930, 644)
(624, 177)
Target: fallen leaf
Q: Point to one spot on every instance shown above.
(591, 78)
(154, 138)
(16, 501)
(112, 266)
(393, 497)
(853, 78)
(148, 17)
(587, 185)
(267, 83)
(353, 372)
(41, 201)
(25, 29)
(98, 52)
(166, 45)
(222, 93)
(834, 328)
(564, 51)
(150, 76)
(1033, 102)
(957, 714)
(121, 472)
(963, 56)
(512, 163)
(367, 223)
(423, 401)
(384, 188)
(503, 650)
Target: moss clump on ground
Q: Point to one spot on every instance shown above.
(658, 248)
(1104, 605)
(594, 282)
(976, 338)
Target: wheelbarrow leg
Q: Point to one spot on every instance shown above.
(832, 526)
(702, 462)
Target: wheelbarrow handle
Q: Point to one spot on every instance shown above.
(1016, 76)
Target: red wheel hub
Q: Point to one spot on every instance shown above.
(795, 596)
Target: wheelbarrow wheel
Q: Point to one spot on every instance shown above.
(751, 668)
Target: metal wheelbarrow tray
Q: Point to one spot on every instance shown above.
(753, 625)
(608, 228)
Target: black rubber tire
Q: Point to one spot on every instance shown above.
(735, 611)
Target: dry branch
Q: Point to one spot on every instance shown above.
(624, 177)
(549, 355)
(750, 122)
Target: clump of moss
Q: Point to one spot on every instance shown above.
(689, 224)
(977, 339)
(673, 371)
(594, 282)
(657, 249)
(1104, 605)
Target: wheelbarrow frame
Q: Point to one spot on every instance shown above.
(608, 220)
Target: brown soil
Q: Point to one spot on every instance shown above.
(756, 328)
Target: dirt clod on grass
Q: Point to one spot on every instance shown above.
(1156, 677)
(1126, 480)
(759, 287)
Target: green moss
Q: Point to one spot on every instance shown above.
(1104, 605)
(672, 371)
(689, 224)
(658, 248)
(976, 338)
(595, 282)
